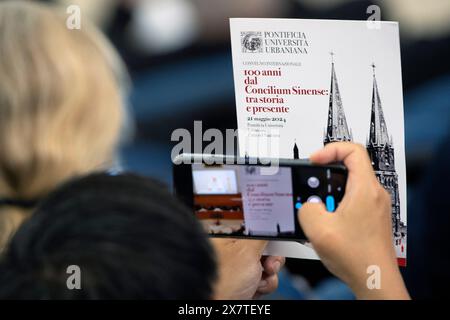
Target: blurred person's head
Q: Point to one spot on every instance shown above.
(60, 104)
(128, 235)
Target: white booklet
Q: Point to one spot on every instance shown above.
(306, 83)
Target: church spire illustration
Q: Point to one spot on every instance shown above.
(295, 150)
(381, 153)
(337, 129)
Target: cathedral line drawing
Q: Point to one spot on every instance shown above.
(379, 144)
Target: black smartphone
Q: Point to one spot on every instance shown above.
(242, 198)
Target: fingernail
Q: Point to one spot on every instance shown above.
(262, 284)
(277, 266)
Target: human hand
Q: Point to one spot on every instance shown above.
(359, 233)
(239, 268)
(269, 280)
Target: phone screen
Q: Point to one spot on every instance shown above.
(242, 201)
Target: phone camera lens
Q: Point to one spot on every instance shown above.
(313, 182)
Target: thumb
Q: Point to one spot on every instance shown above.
(311, 216)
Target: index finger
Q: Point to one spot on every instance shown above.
(354, 156)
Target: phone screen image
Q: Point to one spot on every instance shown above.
(241, 201)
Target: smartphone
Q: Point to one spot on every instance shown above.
(236, 197)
